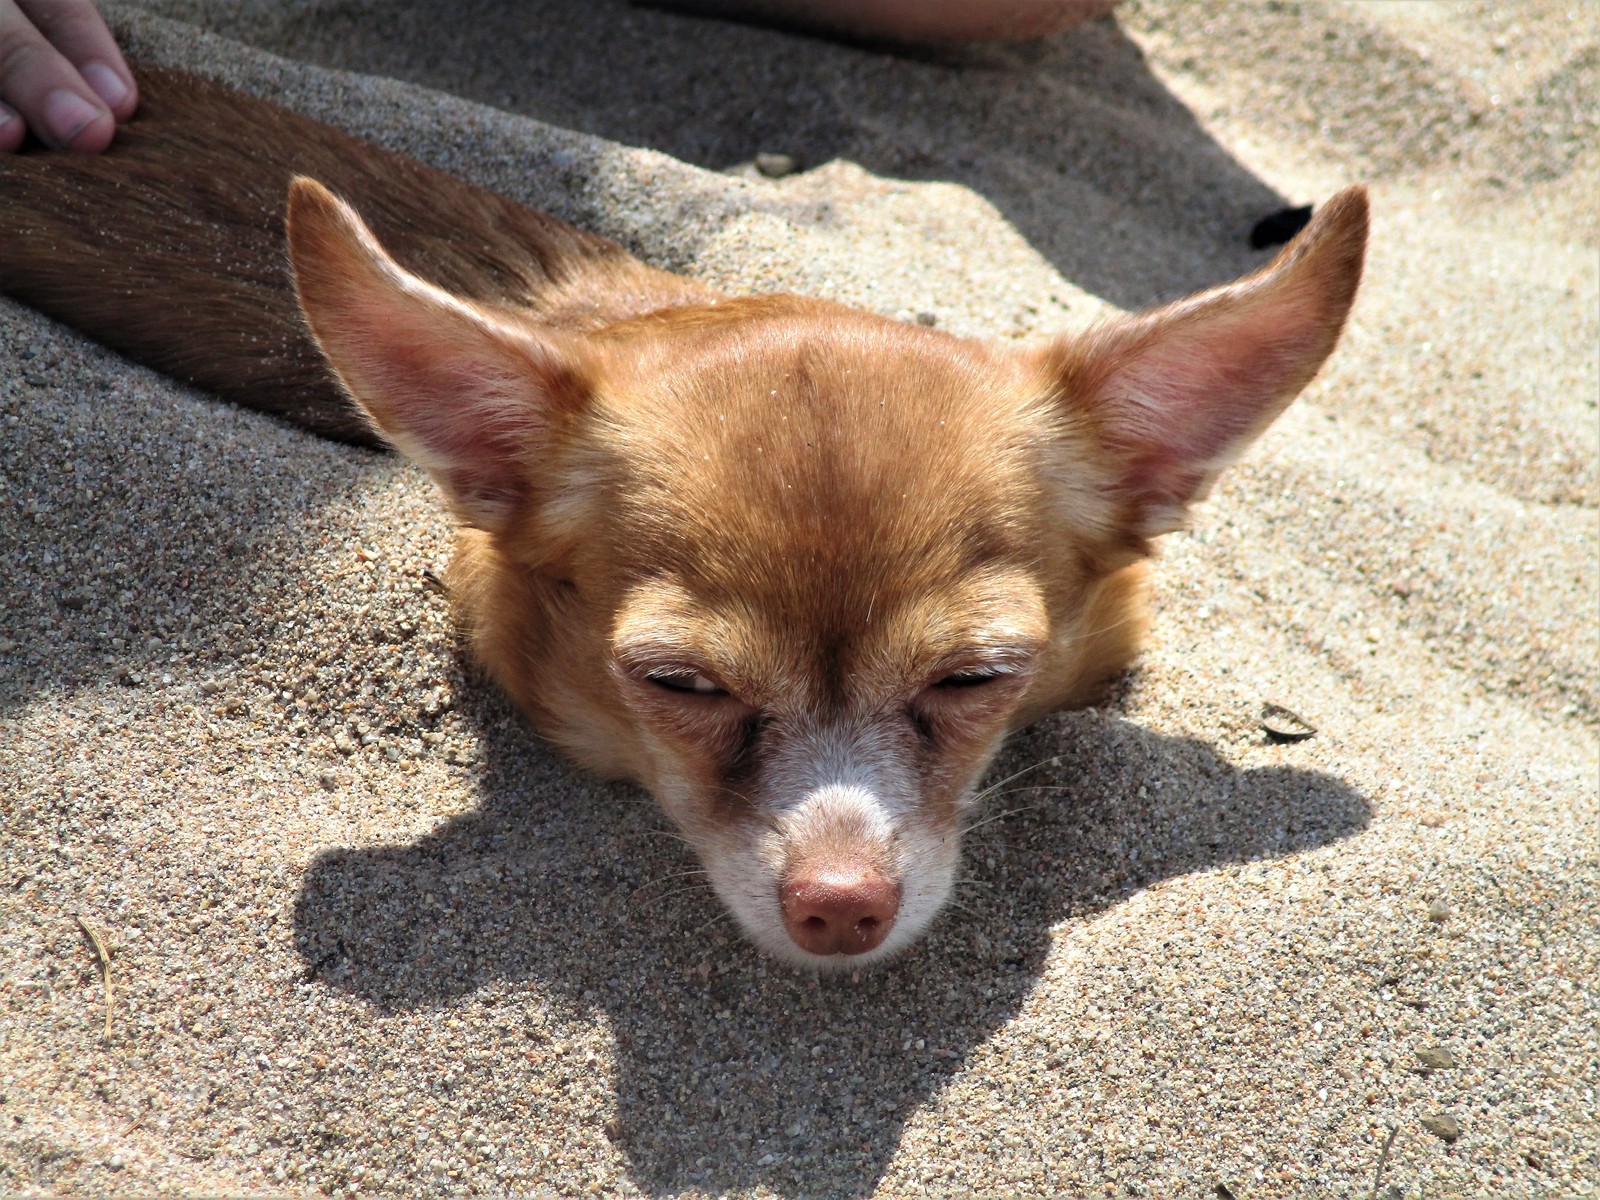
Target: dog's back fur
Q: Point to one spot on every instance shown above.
(169, 247)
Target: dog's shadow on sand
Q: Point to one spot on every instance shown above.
(734, 1072)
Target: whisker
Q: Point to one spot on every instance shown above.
(1078, 637)
(1000, 783)
(969, 882)
(989, 820)
(1041, 787)
(962, 907)
(720, 916)
(665, 896)
(757, 810)
(670, 836)
(663, 879)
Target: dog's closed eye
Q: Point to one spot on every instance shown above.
(975, 677)
(686, 681)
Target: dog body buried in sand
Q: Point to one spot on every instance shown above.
(796, 569)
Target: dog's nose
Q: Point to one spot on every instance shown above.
(839, 910)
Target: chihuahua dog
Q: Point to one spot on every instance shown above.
(796, 569)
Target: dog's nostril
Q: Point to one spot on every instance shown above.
(839, 909)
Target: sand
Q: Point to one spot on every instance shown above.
(371, 937)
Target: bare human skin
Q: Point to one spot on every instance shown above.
(912, 21)
(62, 76)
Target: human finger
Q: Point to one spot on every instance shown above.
(46, 90)
(76, 29)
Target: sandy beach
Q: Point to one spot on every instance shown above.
(369, 936)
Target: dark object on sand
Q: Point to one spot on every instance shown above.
(1279, 227)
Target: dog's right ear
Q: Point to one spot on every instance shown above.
(1175, 395)
(470, 397)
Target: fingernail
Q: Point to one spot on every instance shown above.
(105, 82)
(65, 115)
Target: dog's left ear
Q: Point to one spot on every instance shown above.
(1175, 395)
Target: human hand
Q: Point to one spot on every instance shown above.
(61, 75)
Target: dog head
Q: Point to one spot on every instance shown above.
(799, 569)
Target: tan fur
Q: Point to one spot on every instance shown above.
(795, 568)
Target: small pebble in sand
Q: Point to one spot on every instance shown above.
(776, 166)
(1442, 1125)
(1438, 909)
(1436, 1058)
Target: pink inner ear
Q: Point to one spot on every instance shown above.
(1182, 392)
(463, 390)
(1177, 394)
(1191, 399)
(477, 420)
(466, 401)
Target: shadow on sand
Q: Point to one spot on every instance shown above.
(1073, 138)
(732, 1072)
